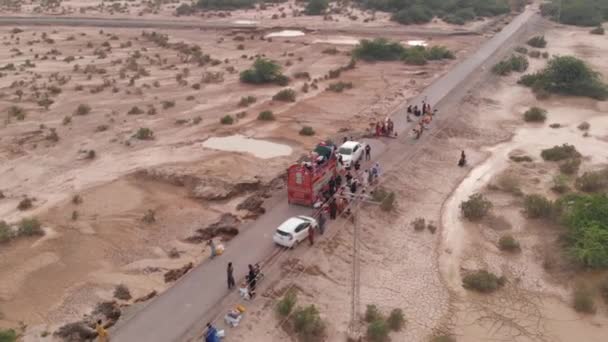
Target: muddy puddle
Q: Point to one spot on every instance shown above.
(338, 40)
(285, 33)
(239, 143)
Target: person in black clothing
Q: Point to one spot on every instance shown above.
(229, 274)
(368, 152)
(251, 280)
(463, 159)
(357, 165)
(345, 139)
(332, 186)
(409, 109)
(338, 181)
(353, 187)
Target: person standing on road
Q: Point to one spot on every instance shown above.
(102, 333)
(311, 235)
(212, 246)
(322, 220)
(252, 281)
(333, 209)
(368, 152)
(230, 275)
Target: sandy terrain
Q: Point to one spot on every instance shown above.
(420, 272)
(92, 246)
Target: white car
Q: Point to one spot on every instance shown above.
(294, 230)
(351, 151)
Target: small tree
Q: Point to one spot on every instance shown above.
(535, 114)
(144, 133)
(372, 313)
(476, 207)
(483, 281)
(377, 331)
(30, 227)
(82, 109)
(308, 324)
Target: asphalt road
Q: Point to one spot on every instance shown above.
(189, 24)
(173, 315)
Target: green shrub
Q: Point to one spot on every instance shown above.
(537, 206)
(576, 12)
(476, 207)
(482, 281)
(227, 120)
(6, 232)
(247, 100)
(379, 49)
(82, 109)
(416, 14)
(535, 114)
(184, 9)
(570, 166)
(587, 222)
(287, 303)
(415, 56)
(439, 52)
(307, 130)
(598, 30)
(144, 133)
(513, 63)
(263, 71)
(30, 227)
(8, 335)
(372, 313)
(377, 331)
(308, 324)
(338, 87)
(593, 181)
(508, 243)
(266, 116)
(567, 75)
(582, 301)
(316, 7)
(537, 42)
(286, 95)
(557, 153)
(396, 320)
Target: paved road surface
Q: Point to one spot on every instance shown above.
(186, 24)
(173, 315)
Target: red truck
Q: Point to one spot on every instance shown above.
(307, 180)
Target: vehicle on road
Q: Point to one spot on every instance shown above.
(294, 230)
(308, 179)
(351, 152)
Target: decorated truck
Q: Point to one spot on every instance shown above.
(308, 179)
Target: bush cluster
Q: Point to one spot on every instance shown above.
(535, 114)
(517, 63)
(537, 206)
(379, 327)
(567, 75)
(287, 303)
(308, 324)
(537, 42)
(454, 12)
(483, 281)
(476, 207)
(593, 181)
(557, 153)
(381, 49)
(339, 87)
(285, 95)
(247, 100)
(264, 71)
(576, 12)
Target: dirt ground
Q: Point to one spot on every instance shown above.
(420, 272)
(45, 154)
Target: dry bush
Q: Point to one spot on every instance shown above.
(560, 184)
(537, 206)
(483, 281)
(227, 120)
(535, 114)
(287, 303)
(122, 292)
(266, 116)
(584, 126)
(570, 166)
(247, 100)
(168, 104)
(508, 243)
(377, 331)
(372, 313)
(557, 153)
(396, 320)
(509, 183)
(135, 111)
(593, 181)
(308, 324)
(149, 217)
(286, 95)
(82, 109)
(419, 224)
(30, 227)
(144, 133)
(309, 131)
(582, 301)
(519, 159)
(25, 204)
(476, 207)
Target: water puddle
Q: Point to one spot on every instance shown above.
(341, 40)
(245, 22)
(285, 33)
(417, 43)
(239, 143)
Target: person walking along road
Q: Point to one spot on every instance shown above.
(230, 275)
(368, 152)
(212, 246)
(322, 220)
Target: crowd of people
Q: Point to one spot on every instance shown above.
(385, 128)
(424, 115)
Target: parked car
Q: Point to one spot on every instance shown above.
(351, 151)
(294, 230)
